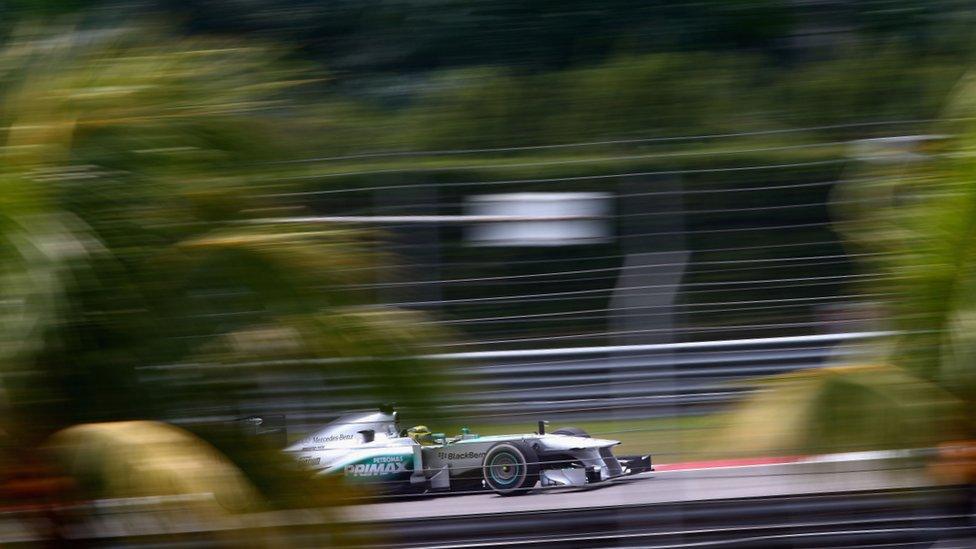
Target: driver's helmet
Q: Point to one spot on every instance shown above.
(421, 434)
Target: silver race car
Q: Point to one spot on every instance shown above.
(371, 447)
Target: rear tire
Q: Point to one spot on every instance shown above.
(511, 468)
(571, 431)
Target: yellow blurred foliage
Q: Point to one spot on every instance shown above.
(843, 408)
(146, 458)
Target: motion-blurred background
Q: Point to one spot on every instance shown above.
(710, 229)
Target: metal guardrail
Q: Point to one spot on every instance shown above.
(691, 345)
(636, 379)
(592, 382)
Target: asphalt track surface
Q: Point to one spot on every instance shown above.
(749, 481)
(829, 503)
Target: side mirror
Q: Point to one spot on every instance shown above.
(369, 435)
(542, 427)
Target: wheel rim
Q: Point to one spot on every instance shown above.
(504, 469)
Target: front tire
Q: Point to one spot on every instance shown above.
(511, 468)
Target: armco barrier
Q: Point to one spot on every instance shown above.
(558, 383)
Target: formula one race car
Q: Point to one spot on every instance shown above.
(371, 447)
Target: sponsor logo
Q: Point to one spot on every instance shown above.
(333, 438)
(451, 456)
(309, 460)
(383, 465)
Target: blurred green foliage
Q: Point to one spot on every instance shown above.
(132, 238)
(911, 214)
(842, 409)
(441, 74)
(919, 208)
(636, 96)
(420, 35)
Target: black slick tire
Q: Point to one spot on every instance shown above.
(510, 468)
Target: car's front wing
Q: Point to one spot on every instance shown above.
(598, 468)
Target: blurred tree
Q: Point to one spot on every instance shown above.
(917, 205)
(669, 93)
(912, 205)
(548, 72)
(423, 35)
(842, 408)
(134, 182)
(389, 50)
